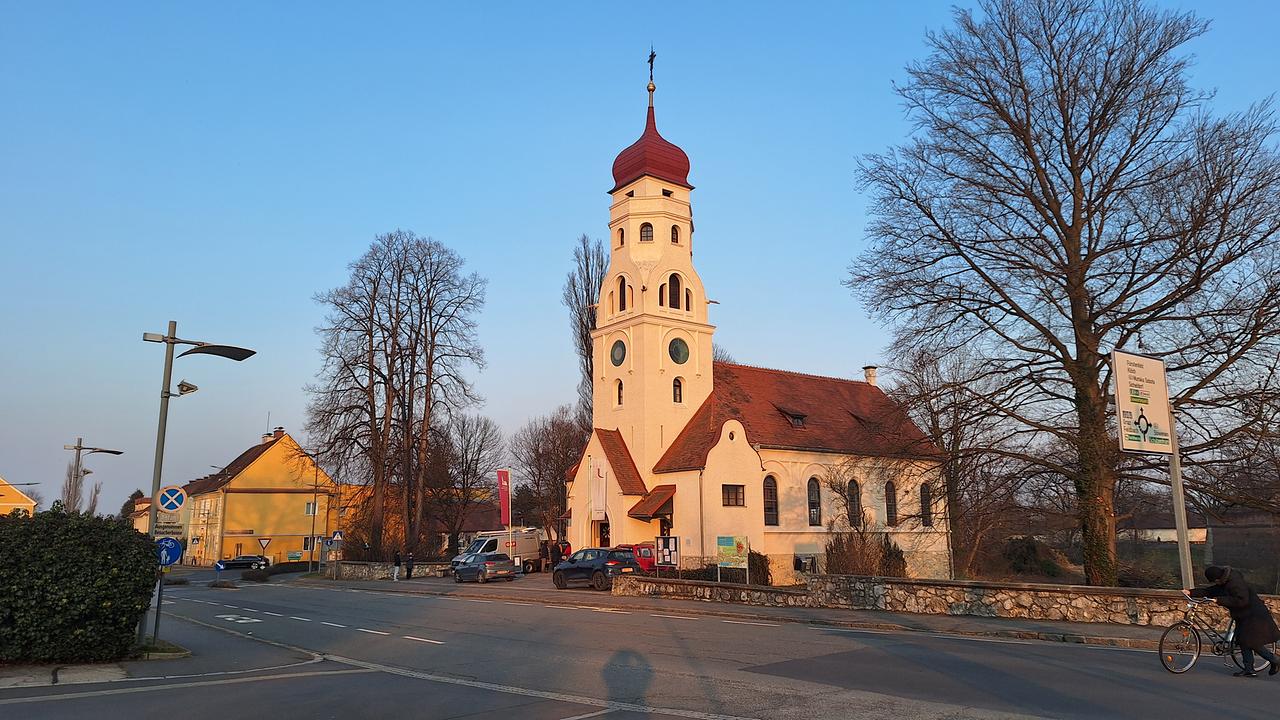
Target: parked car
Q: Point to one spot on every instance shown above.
(645, 555)
(523, 543)
(253, 562)
(483, 567)
(460, 559)
(598, 566)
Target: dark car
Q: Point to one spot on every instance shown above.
(483, 567)
(253, 562)
(598, 566)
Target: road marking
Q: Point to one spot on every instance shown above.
(673, 617)
(744, 622)
(425, 640)
(268, 612)
(507, 602)
(173, 686)
(249, 610)
(561, 607)
(237, 619)
(475, 600)
(322, 622)
(598, 713)
(607, 610)
(295, 617)
(372, 632)
(233, 607)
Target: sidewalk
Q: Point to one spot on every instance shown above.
(538, 588)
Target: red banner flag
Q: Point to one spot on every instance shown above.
(504, 496)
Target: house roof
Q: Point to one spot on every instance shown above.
(615, 450)
(652, 503)
(220, 479)
(795, 411)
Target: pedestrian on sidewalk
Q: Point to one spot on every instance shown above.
(408, 567)
(1255, 628)
(556, 555)
(395, 567)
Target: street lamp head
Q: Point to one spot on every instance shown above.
(186, 388)
(227, 351)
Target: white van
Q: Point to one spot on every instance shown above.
(520, 543)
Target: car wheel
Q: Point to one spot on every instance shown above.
(480, 578)
(529, 568)
(558, 579)
(510, 579)
(599, 582)
(457, 576)
(256, 566)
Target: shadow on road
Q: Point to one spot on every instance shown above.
(628, 676)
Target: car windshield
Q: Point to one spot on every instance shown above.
(623, 555)
(500, 557)
(475, 546)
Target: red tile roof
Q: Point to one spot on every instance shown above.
(615, 449)
(652, 155)
(220, 479)
(653, 502)
(835, 415)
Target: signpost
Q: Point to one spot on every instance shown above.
(1145, 418)
(169, 550)
(264, 542)
(732, 551)
(668, 552)
(218, 567)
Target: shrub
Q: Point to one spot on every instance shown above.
(288, 567)
(256, 575)
(859, 552)
(74, 587)
(892, 562)
(1028, 556)
(228, 584)
(176, 581)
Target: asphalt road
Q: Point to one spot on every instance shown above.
(367, 653)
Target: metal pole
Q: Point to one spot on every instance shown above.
(1179, 504)
(170, 338)
(79, 447)
(315, 483)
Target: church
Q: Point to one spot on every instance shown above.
(690, 447)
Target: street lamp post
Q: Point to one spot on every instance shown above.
(170, 340)
(80, 449)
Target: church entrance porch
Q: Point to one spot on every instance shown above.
(600, 533)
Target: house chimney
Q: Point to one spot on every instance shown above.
(267, 437)
(278, 432)
(869, 371)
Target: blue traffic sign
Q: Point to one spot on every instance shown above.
(169, 549)
(219, 567)
(337, 536)
(171, 498)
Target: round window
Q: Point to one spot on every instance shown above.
(679, 351)
(618, 353)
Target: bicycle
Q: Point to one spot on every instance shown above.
(1181, 642)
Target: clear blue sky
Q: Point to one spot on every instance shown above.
(218, 164)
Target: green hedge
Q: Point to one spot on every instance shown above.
(72, 587)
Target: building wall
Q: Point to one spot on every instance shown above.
(11, 498)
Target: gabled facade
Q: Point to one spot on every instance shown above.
(272, 490)
(11, 498)
(694, 448)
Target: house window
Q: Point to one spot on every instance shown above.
(734, 495)
(688, 300)
(622, 237)
(770, 501)
(890, 503)
(815, 502)
(673, 290)
(311, 509)
(646, 233)
(662, 295)
(675, 233)
(854, 498)
(619, 393)
(622, 294)
(926, 505)
(308, 543)
(677, 391)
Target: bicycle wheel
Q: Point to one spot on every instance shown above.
(1179, 647)
(1259, 664)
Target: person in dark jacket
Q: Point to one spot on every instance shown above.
(395, 567)
(408, 567)
(556, 555)
(1255, 628)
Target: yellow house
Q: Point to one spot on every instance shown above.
(11, 498)
(690, 447)
(272, 500)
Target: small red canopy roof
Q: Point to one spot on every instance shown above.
(652, 503)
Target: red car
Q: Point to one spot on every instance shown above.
(644, 555)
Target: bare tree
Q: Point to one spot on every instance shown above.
(37, 497)
(719, 354)
(545, 449)
(468, 451)
(581, 294)
(127, 508)
(1066, 192)
(72, 490)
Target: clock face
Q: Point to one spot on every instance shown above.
(679, 351)
(618, 353)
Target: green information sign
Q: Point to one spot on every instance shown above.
(295, 554)
(732, 551)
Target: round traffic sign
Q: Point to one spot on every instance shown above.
(171, 498)
(169, 550)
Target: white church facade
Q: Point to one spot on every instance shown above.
(690, 447)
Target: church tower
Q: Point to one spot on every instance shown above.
(652, 341)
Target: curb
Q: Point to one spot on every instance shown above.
(696, 609)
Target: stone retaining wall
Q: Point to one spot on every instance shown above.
(1125, 606)
(353, 570)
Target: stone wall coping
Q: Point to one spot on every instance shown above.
(714, 584)
(1029, 587)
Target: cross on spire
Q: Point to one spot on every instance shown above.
(652, 56)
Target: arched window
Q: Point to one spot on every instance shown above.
(677, 391)
(688, 300)
(675, 233)
(815, 502)
(890, 504)
(622, 237)
(854, 499)
(770, 501)
(619, 393)
(646, 233)
(622, 294)
(662, 295)
(926, 505)
(673, 292)
(612, 306)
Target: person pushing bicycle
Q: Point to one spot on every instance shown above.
(1255, 628)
